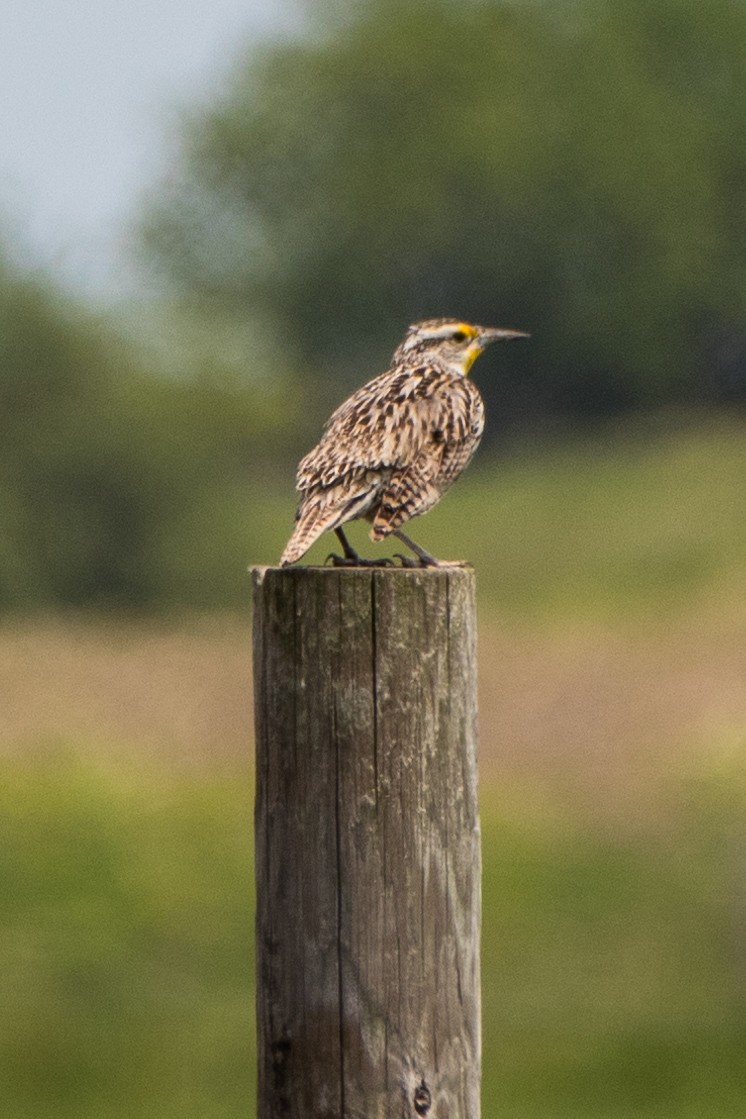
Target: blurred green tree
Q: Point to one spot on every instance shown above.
(568, 167)
(116, 485)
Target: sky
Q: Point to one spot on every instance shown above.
(90, 91)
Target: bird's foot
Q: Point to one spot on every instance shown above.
(416, 561)
(351, 558)
(357, 561)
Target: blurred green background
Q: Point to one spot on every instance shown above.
(573, 169)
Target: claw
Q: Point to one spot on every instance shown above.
(407, 561)
(419, 562)
(357, 561)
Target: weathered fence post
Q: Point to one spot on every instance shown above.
(367, 844)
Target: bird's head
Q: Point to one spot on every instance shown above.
(451, 342)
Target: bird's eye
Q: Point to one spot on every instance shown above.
(459, 336)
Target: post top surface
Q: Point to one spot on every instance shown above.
(299, 571)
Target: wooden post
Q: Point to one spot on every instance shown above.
(367, 844)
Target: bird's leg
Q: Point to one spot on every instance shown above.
(351, 558)
(424, 559)
(348, 549)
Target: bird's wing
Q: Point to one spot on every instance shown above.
(462, 425)
(458, 422)
(383, 425)
(409, 492)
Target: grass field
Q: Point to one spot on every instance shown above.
(613, 755)
(613, 965)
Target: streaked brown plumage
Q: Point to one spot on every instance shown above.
(391, 451)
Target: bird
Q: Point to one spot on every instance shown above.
(394, 447)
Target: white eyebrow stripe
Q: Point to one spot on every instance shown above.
(445, 331)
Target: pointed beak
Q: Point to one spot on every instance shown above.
(489, 334)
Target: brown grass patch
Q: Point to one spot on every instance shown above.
(608, 716)
(598, 715)
(181, 693)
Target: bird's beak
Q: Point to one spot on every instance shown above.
(489, 334)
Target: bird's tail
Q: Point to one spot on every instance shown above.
(323, 511)
(309, 527)
(315, 517)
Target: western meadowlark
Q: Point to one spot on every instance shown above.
(391, 451)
